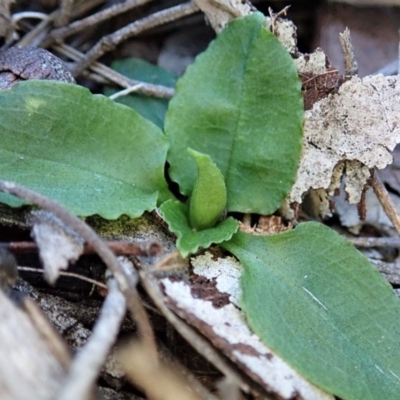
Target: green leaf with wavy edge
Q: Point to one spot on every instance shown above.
(189, 241)
(320, 304)
(208, 198)
(152, 108)
(241, 103)
(83, 150)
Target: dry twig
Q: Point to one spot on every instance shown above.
(64, 273)
(65, 12)
(125, 281)
(88, 362)
(40, 33)
(110, 42)
(374, 241)
(35, 36)
(147, 249)
(385, 200)
(147, 89)
(94, 19)
(53, 339)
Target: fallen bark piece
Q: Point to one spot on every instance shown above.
(351, 131)
(223, 323)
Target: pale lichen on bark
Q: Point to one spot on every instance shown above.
(357, 127)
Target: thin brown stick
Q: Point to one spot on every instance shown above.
(385, 200)
(147, 89)
(374, 241)
(35, 36)
(147, 249)
(65, 273)
(126, 283)
(94, 19)
(110, 42)
(38, 35)
(65, 12)
(84, 6)
(165, 265)
(88, 362)
(123, 248)
(53, 339)
(29, 15)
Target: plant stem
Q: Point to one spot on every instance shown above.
(385, 200)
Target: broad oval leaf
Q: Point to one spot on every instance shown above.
(208, 198)
(148, 107)
(189, 241)
(85, 151)
(241, 103)
(320, 304)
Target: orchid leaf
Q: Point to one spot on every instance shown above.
(176, 214)
(208, 198)
(151, 108)
(85, 151)
(319, 304)
(241, 103)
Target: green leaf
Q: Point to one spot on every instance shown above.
(148, 107)
(87, 152)
(208, 198)
(241, 103)
(319, 303)
(189, 241)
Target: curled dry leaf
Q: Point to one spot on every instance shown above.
(213, 309)
(349, 132)
(23, 63)
(58, 244)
